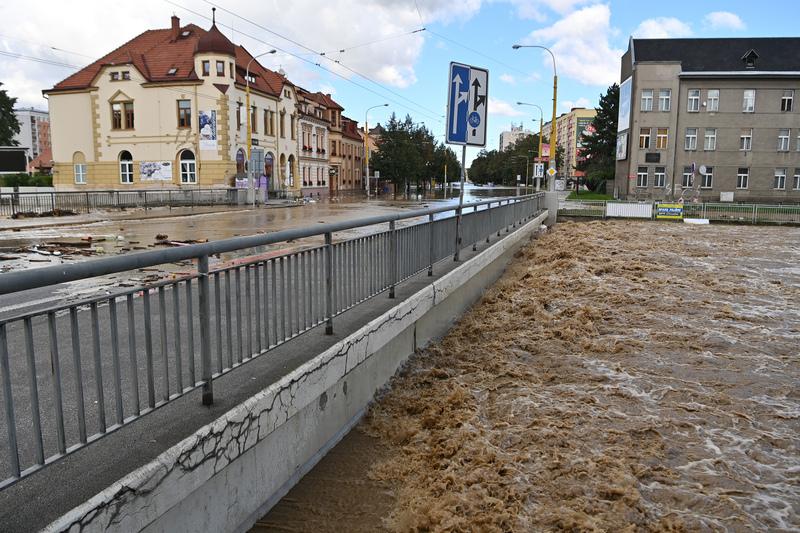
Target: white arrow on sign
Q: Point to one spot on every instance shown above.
(461, 97)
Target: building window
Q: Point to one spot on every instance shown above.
(294, 128)
(253, 123)
(746, 140)
(694, 101)
(787, 100)
(266, 122)
(79, 168)
(691, 139)
(206, 67)
(660, 177)
(220, 68)
(122, 116)
(688, 178)
(641, 177)
(797, 179)
(126, 75)
(644, 138)
(125, 167)
(749, 101)
(128, 108)
(662, 138)
(783, 140)
(283, 124)
(116, 116)
(742, 177)
(710, 143)
(114, 76)
(713, 100)
(708, 178)
(664, 96)
(779, 183)
(238, 115)
(184, 114)
(188, 167)
(230, 70)
(647, 100)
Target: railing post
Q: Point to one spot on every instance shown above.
(191, 192)
(52, 201)
(205, 330)
(458, 234)
(11, 421)
(755, 213)
(88, 203)
(430, 249)
(392, 258)
(475, 244)
(145, 200)
(169, 198)
(328, 284)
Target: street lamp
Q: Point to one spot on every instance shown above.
(541, 118)
(553, 134)
(250, 177)
(366, 143)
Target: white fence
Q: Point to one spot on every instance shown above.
(628, 210)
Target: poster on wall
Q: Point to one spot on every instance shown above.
(155, 171)
(622, 146)
(624, 117)
(208, 130)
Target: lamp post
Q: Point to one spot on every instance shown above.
(541, 119)
(250, 177)
(366, 144)
(553, 134)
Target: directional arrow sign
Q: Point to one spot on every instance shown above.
(466, 105)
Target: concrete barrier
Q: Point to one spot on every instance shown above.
(230, 472)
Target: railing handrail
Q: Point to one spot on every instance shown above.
(11, 282)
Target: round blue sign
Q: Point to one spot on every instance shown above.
(474, 119)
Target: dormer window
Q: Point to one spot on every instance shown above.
(115, 76)
(172, 71)
(126, 75)
(750, 59)
(186, 33)
(250, 78)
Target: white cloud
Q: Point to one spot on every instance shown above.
(580, 43)
(724, 20)
(566, 105)
(538, 9)
(662, 28)
(502, 108)
(508, 78)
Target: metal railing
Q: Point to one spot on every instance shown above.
(73, 373)
(716, 212)
(13, 203)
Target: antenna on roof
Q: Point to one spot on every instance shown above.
(213, 16)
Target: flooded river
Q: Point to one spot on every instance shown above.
(620, 376)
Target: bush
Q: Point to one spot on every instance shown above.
(26, 180)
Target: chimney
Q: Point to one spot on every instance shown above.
(176, 28)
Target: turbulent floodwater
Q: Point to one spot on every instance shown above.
(619, 377)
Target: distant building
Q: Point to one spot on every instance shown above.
(710, 119)
(570, 129)
(351, 152)
(315, 125)
(34, 131)
(510, 137)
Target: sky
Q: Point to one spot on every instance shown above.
(375, 53)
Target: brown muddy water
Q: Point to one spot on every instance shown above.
(620, 376)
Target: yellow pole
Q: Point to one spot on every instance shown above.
(249, 130)
(366, 155)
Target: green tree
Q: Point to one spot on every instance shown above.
(9, 125)
(501, 168)
(599, 147)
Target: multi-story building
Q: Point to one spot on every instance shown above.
(510, 137)
(314, 128)
(570, 128)
(710, 119)
(351, 157)
(166, 109)
(34, 131)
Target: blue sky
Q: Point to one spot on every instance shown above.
(411, 70)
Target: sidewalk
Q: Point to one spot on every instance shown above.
(9, 224)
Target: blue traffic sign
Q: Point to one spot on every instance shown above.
(468, 89)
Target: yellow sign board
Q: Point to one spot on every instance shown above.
(669, 211)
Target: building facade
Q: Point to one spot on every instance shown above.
(168, 110)
(510, 137)
(314, 135)
(570, 128)
(34, 131)
(351, 150)
(710, 120)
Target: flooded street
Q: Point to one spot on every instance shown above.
(620, 376)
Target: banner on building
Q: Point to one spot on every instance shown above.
(208, 130)
(622, 146)
(669, 211)
(155, 171)
(624, 115)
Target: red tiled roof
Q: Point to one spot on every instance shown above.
(350, 129)
(327, 101)
(213, 41)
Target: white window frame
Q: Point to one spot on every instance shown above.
(749, 101)
(693, 101)
(746, 141)
(712, 105)
(787, 101)
(126, 171)
(664, 99)
(710, 141)
(687, 179)
(707, 179)
(779, 181)
(660, 177)
(742, 178)
(784, 140)
(690, 140)
(646, 100)
(79, 170)
(797, 179)
(641, 177)
(188, 170)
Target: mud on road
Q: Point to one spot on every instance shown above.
(620, 376)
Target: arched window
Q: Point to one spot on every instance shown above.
(188, 167)
(79, 168)
(125, 167)
(240, 158)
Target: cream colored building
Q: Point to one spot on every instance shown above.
(570, 128)
(314, 157)
(167, 110)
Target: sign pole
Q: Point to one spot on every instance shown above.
(460, 203)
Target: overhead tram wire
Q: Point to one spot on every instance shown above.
(490, 58)
(39, 60)
(426, 110)
(368, 43)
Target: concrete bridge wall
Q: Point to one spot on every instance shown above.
(230, 472)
